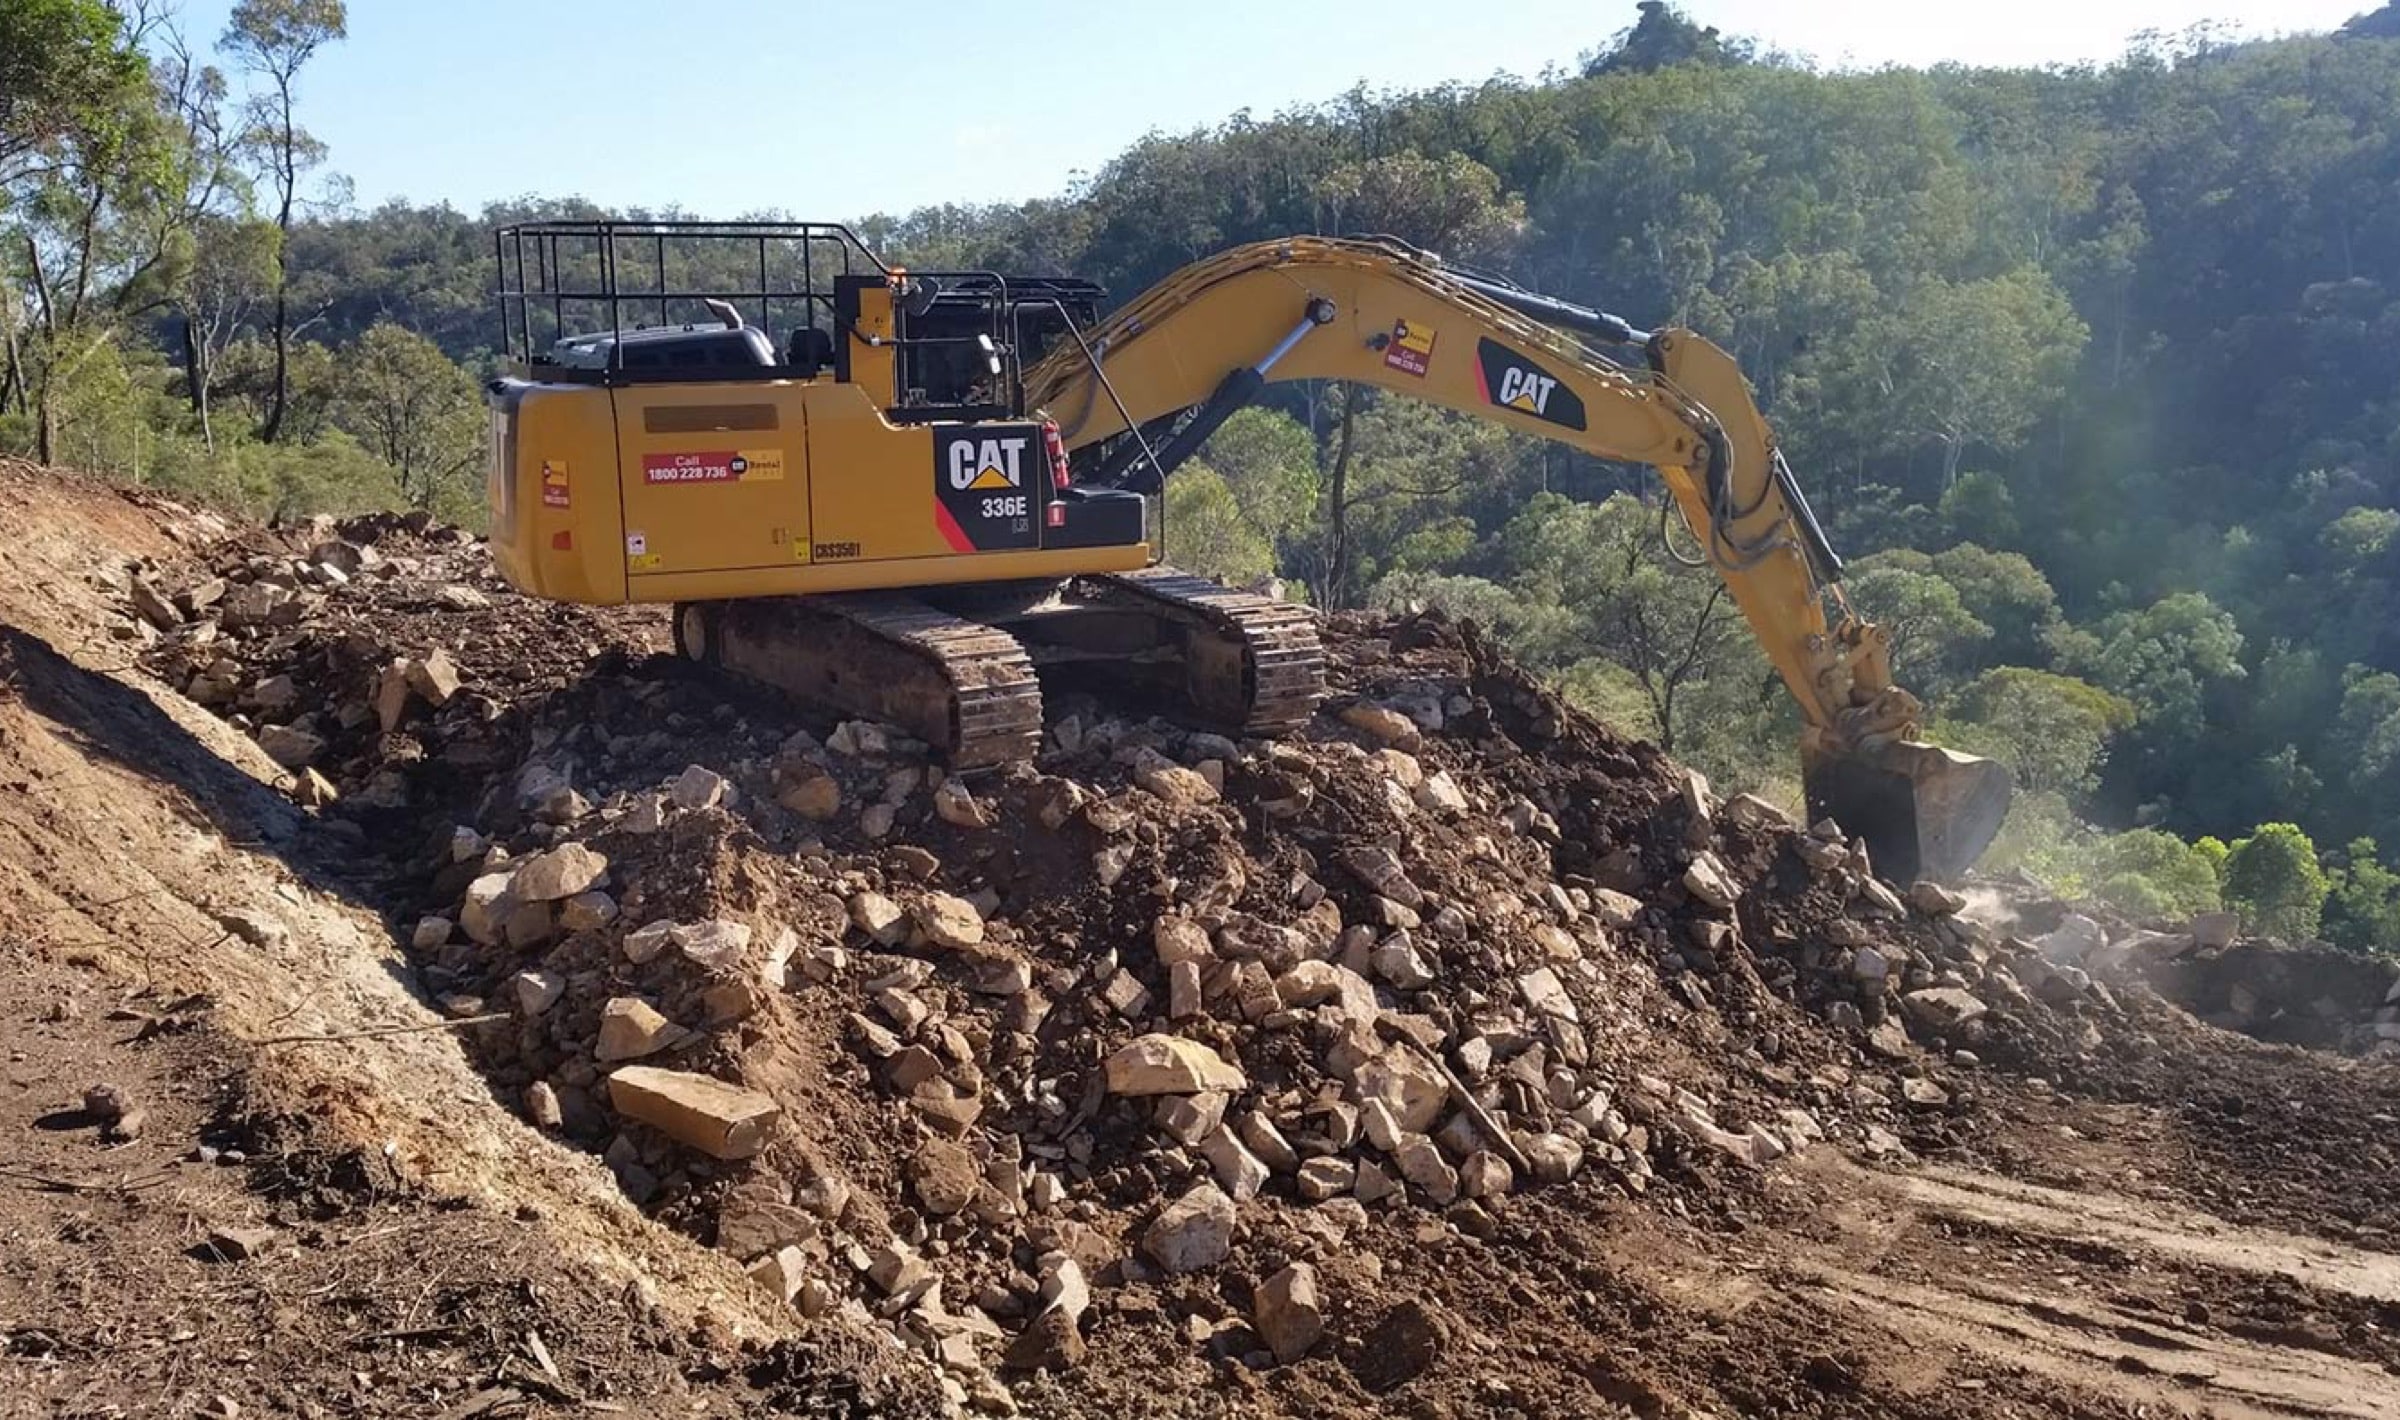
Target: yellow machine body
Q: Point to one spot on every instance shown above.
(704, 492)
(721, 490)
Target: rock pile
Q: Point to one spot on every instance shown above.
(1162, 1016)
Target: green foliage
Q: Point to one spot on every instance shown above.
(2360, 535)
(2274, 878)
(2168, 659)
(2150, 873)
(1664, 36)
(401, 397)
(65, 66)
(2050, 730)
(1207, 533)
(2091, 372)
(1449, 203)
(2144, 872)
(1979, 508)
(2362, 912)
(1934, 637)
(1270, 464)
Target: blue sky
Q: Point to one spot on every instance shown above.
(839, 110)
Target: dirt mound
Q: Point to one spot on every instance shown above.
(1454, 1055)
(1159, 1008)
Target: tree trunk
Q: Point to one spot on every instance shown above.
(45, 427)
(272, 428)
(195, 378)
(1337, 508)
(288, 171)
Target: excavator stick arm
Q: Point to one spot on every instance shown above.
(1377, 313)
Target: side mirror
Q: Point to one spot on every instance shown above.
(991, 354)
(921, 293)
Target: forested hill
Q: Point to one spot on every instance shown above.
(2094, 372)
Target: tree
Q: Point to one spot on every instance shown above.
(1206, 532)
(274, 40)
(1977, 363)
(2362, 912)
(2167, 659)
(1663, 37)
(64, 64)
(2274, 878)
(1450, 204)
(415, 410)
(232, 270)
(1621, 600)
(1269, 464)
(2051, 731)
(2150, 873)
(94, 233)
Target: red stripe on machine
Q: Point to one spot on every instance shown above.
(952, 533)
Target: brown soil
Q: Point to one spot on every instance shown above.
(2119, 1211)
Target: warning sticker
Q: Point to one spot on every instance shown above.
(714, 466)
(1411, 350)
(554, 483)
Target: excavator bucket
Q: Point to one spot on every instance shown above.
(1924, 811)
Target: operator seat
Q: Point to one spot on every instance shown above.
(809, 351)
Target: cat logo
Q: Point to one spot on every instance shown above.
(1525, 390)
(986, 463)
(981, 499)
(1509, 380)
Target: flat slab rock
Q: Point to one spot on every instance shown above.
(721, 1120)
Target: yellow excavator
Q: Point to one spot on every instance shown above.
(899, 493)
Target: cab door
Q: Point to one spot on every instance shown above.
(715, 477)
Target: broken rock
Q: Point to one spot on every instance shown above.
(721, 1120)
(1387, 725)
(1707, 880)
(717, 944)
(1934, 900)
(1159, 1064)
(1193, 1232)
(698, 787)
(1942, 1008)
(1404, 1083)
(948, 922)
(563, 872)
(1381, 870)
(945, 1176)
(1287, 1314)
(631, 1028)
(289, 745)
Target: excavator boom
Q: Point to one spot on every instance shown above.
(1209, 337)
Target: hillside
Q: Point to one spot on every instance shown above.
(1455, 1056)
(2089, 370)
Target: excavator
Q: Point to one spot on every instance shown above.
(906, 495)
